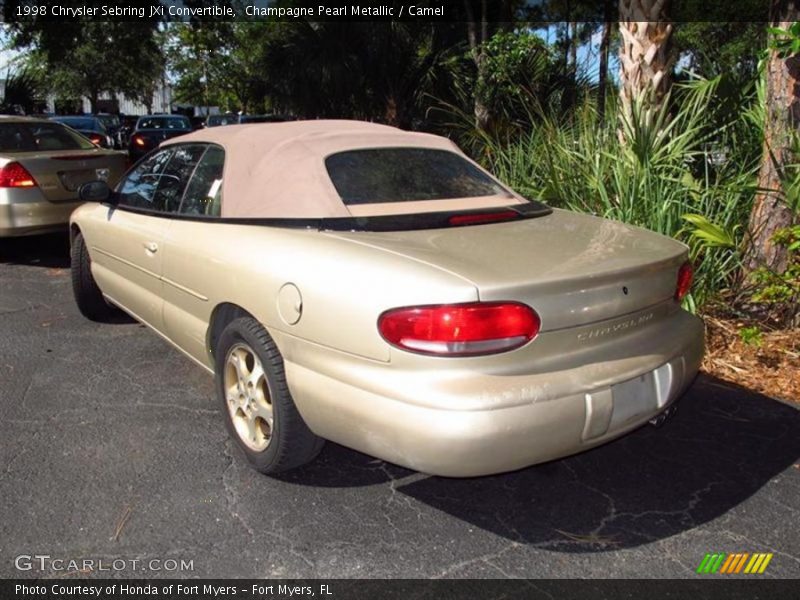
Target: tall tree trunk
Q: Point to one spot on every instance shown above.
(477, 34)
(94, 96)
(645, 58)
(770, 212)
(573, 46)
(507, 15)
(391, 114)
(605, 45)
(570, 63)
(565, 58)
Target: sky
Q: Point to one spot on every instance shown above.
(6, 56)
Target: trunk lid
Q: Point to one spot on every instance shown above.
(572, 269)
(60, 173)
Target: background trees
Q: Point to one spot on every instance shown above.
(86, 59)
(709, 43)
(365, 70)
(219, 63)
(683, 126)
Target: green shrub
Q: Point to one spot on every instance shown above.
(675, 171)
(780, 291)
(751, 336)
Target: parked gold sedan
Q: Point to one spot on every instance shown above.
(356, 283)
(42, 165)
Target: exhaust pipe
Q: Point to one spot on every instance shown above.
(664, 416)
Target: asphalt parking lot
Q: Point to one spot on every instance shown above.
(113, 448)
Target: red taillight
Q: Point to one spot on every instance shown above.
(14, 175)
(138, 140)
(478, 218)
(460, 329)
(685, 275)
(96, 139)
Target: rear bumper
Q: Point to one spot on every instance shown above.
(25, 212)
(374, 409)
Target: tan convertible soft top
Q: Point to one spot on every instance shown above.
(278, 169)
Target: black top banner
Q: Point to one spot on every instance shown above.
(533, 11)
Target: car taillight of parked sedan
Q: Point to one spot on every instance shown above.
(14, 175)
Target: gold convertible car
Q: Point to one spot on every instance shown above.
(352, 282)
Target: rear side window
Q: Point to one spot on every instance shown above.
(185, 178)
(40, 137)
(378, 175)
(204, 193)
(176, 175)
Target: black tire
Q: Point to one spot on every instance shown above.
(290, 442)
(88, 296)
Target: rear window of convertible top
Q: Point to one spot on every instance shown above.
(378, 175)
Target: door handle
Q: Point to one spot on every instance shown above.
(151, 247)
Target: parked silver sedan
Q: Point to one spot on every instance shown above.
(42, 165)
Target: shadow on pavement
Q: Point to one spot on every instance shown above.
(49, 250)
(723, 445)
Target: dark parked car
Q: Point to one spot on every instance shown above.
(198, 122)
(151, 130)
(126, 127)
(232, 119)
(112, 125)
(219, 120)
(90, 126)
(273, 118)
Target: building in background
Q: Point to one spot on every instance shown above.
(115, 104)
(119, 104)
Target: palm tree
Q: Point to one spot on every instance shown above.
(645, 58)
(21, 93)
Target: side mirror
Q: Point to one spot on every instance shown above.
(94, 191)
